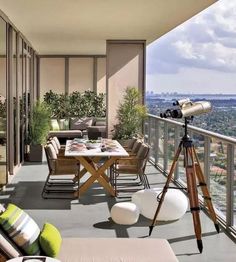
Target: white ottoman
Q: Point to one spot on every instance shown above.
(125, 213)
(174, 206)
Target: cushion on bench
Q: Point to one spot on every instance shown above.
(116, 250)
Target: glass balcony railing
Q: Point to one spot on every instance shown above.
(216, 155)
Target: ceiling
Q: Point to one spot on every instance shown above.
(82, 27)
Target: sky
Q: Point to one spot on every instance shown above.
(198, 56)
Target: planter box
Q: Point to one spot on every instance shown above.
(35, 153)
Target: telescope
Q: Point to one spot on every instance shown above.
(187, 108)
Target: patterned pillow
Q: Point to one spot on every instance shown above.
(8, 247)
(21, 228)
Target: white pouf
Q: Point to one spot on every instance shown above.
(174, 206)
(125, 213)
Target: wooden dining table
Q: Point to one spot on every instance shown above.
(96, 157)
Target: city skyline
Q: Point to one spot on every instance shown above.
(198, 56)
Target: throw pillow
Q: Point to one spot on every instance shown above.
(50, 240)
(2, 209)
(8, 247)
(54, 125)
(21, 228)
(80, 123)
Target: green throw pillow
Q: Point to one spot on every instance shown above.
(50, 240)
(21, 228)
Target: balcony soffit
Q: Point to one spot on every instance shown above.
(82, 27)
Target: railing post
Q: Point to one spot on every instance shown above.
(230, 186)
(165, 146)
(177, 140)
(149, 129)
(207, 152)
(157, 137)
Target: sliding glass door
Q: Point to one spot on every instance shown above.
(3, 103)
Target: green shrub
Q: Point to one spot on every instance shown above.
(130, 114)
(39, 124)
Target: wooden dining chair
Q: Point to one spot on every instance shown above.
(127, 167)
(62, 174)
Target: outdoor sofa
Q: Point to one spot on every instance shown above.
(75, 127)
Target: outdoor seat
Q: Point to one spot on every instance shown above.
(62, 176)
(127, 167)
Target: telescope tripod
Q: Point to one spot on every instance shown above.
(192, 171)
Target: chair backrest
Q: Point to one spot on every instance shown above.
(136, 147)
(143, 154)
(57, 142)
(131, 142)
(50, 155)
(54, 144)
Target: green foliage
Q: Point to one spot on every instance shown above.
(75, 104)
(3, 108)
(130, 115)
(39, 124)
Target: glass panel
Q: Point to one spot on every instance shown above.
(21, 101)
(160, 150)
(3, 108)
(199, 142)
(52, 75)
(80, 74)
(14, 93)
(218, 174)
(170, 145)
(182, 175)
(234, 188)
(152, 138)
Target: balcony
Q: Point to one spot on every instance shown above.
(90, 216)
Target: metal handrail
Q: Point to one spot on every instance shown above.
(204, 132)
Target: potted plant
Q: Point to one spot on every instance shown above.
(130, 115)
(38, 130)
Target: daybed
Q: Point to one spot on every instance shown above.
(77, 249)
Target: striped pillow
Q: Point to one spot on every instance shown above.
(21, 228)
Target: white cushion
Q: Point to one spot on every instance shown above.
(125, 213)
(57, 142)
(174, 206)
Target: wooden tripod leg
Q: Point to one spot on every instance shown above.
(205, 191)
(169, 177)
(194, 204)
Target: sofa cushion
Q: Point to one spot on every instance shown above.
(116, 250)
(50, 240)
(80, 123)
(63, 124)
(21, 228)
(54, 125)
(100, 121)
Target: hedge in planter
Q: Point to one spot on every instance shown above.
(38, 130)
